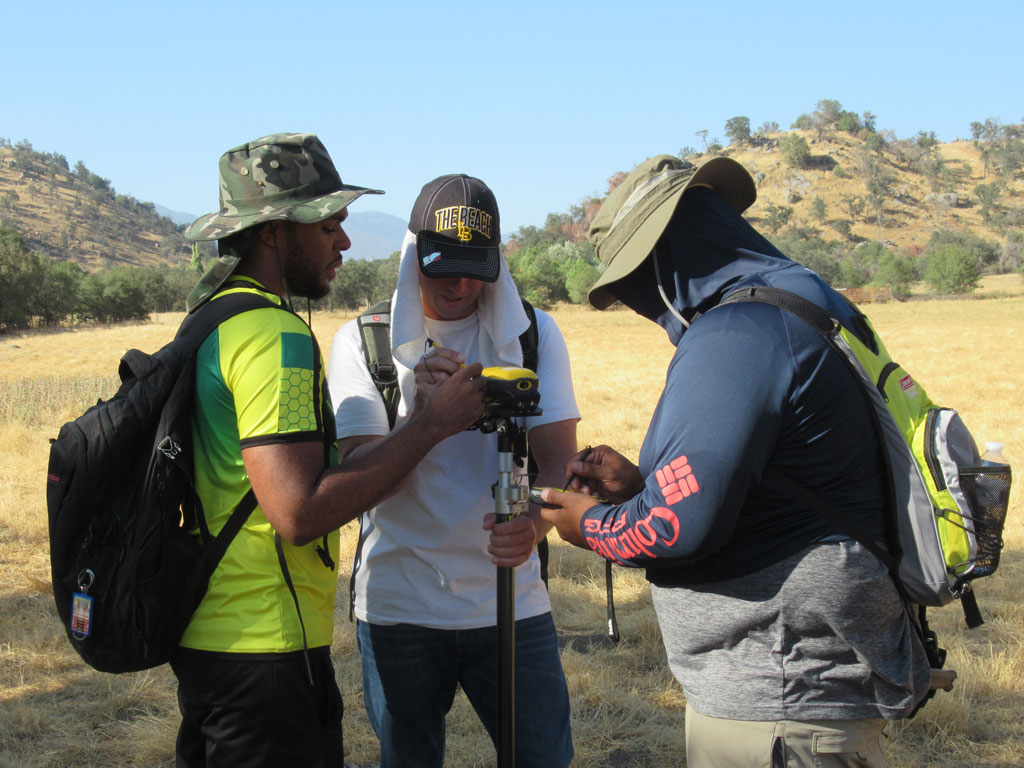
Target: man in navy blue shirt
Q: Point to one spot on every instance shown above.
(788, 637)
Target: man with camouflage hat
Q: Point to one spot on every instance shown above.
(256, 686)
(788, 636)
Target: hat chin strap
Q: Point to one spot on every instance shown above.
(664, 298)
(280, 269)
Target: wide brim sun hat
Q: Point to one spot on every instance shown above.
(283, 176)
(287, 176)
(634, 216)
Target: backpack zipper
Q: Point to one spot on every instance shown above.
(929, 450)
(883, 377)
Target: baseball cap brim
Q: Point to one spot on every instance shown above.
(217, 225)
(724, 175)
(440, 257)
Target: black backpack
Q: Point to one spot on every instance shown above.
(127, 574)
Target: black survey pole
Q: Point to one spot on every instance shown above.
(507, 399)
(508, 502)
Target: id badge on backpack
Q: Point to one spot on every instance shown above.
(81, 615)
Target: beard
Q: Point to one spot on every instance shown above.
(302, 276)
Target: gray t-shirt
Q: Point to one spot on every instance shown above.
(819, 635)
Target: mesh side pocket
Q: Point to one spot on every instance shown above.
(987, 490)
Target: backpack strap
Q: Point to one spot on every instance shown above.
(375, 330)
(375, 334)
(197, 326)
(808, 311)
(790, 486)
(969, 603)
(283, 563)
(201, 322)
(827, 327)
(530, 338)
(529, 341)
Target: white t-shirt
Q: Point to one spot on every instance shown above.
(424, 557)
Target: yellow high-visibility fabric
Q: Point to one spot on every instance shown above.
(259, 379)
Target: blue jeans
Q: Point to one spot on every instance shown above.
(410, 675)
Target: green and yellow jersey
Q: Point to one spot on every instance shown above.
(259, 379)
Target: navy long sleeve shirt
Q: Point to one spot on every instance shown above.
(750, 386)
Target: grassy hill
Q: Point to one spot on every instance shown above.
(848, 188)
(924, 189)
(845, 188)
(74, 215)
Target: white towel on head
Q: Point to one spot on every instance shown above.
(502, 317)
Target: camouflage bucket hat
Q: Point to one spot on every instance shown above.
(632, 218)
(284, 176)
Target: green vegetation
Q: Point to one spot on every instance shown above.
(360, 284)
(829, 116)
(954, 261)
(952, 270)
(738, 129)
(36, 291)
(795, 150)
(778, 217)
(852, 202)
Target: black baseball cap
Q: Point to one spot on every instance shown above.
(455, 219)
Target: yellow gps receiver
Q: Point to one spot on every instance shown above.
(513, 389)
(509, 390)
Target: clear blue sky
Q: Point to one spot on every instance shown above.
(542, 100)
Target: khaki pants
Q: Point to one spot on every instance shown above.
(716, 743)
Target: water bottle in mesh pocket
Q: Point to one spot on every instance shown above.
(987, 490)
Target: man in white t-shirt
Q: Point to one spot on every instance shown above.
(425, 578)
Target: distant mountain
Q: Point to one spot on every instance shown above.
(177, 217)
(374, 235)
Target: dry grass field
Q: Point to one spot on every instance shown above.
(627, 709)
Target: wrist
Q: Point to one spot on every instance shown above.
(422, 425)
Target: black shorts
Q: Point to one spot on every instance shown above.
(258, 710)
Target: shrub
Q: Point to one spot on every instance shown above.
(795, 150)
(987, 253)
(852, 273)
(952, 269)
(898, 272)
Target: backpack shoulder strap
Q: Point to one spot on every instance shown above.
(530, 339)
(195, 328)
(806, 310)
(200, 323)
(375, 332)
(825, 325)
